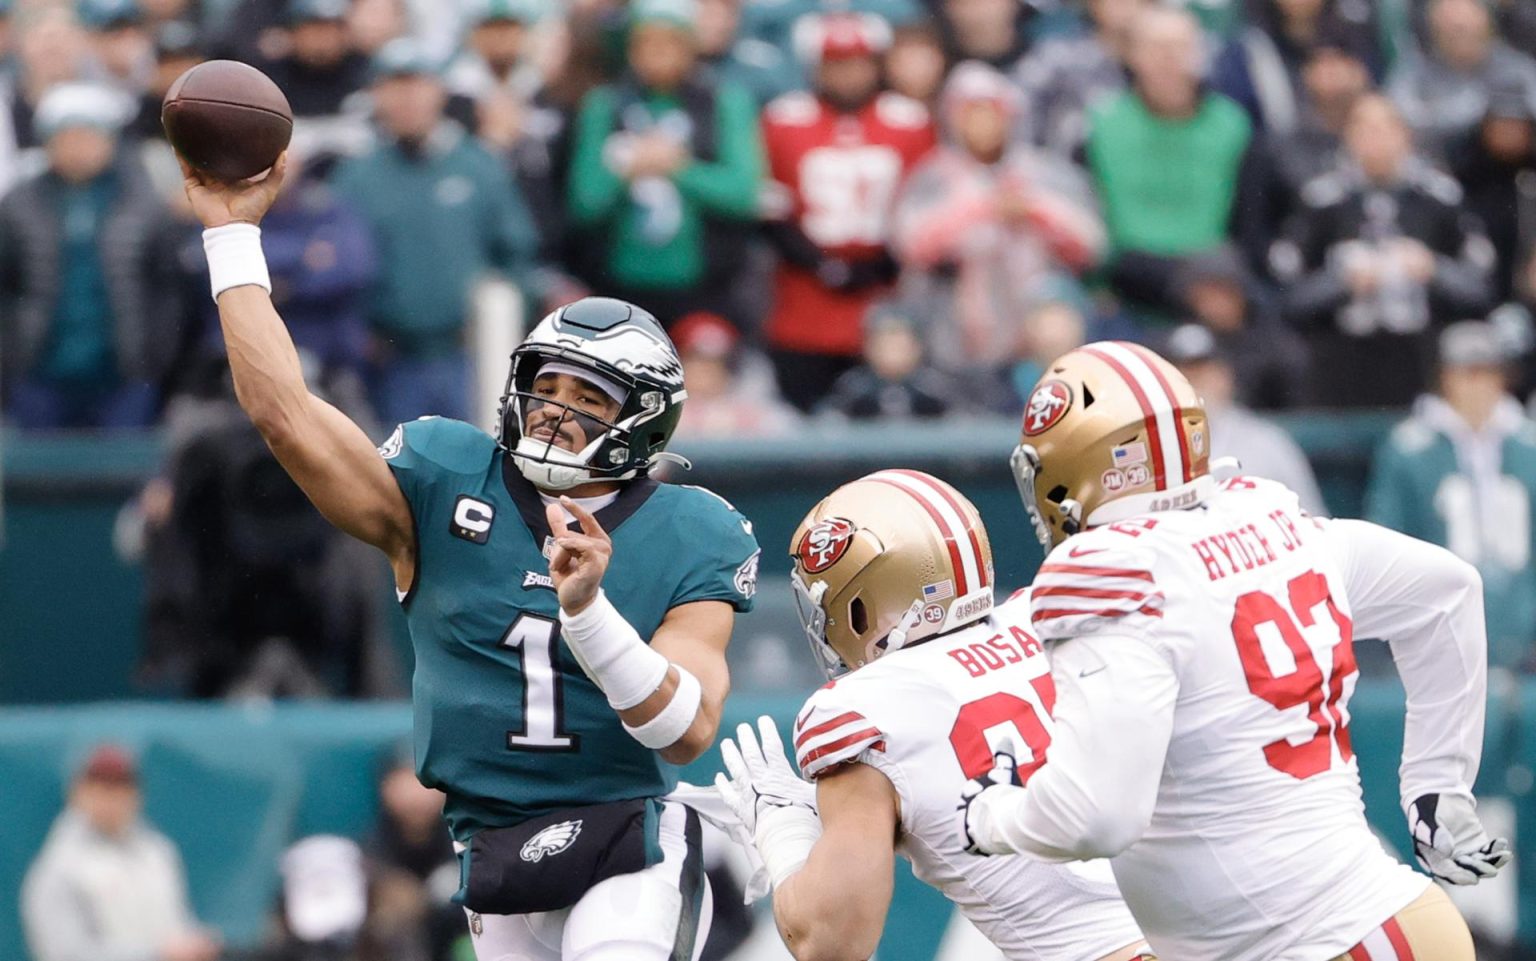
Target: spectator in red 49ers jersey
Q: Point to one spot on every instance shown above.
(837, 157)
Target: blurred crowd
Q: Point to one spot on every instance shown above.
(862, 209)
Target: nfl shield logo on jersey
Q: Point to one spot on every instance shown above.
(551, 840)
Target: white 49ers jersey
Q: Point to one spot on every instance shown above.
(1258, 848)
(928, 718)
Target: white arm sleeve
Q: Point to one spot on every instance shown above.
(1094, 796)
(1428, 605)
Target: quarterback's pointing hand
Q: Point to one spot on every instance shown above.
(578, 561)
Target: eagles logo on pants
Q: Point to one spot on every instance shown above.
(659, 914)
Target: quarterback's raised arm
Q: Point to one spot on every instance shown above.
(327, 455)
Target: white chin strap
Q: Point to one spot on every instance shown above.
(549, 467)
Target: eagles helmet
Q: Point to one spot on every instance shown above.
(1110, 431)
(886, 561)
(622, 344)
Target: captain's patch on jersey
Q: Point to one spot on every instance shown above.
(472, 519)
(550, 841)
(824, 544)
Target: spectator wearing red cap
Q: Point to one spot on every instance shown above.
(723, 399)
(986, 225)
(837, 158)
(107, 886)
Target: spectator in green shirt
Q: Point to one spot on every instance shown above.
(443, 213)
(1166, 156)
(665, 172)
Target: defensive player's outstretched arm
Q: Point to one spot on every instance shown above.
(326, 454)
(1095, 796)
(834, 908)
(1428, 605)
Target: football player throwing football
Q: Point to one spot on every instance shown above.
(561, 671)
(893, 575)
(1201, 639)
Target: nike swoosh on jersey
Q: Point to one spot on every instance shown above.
(1079, 552)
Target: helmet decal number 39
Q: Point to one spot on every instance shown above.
(1047, 404)
(824, 544)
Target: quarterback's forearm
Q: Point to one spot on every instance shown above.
(269, 380)
(668, 692)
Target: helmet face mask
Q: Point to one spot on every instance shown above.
(886, 562)
(619, 343)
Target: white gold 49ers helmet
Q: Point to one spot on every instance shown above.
(886, 561)
(1111, 431)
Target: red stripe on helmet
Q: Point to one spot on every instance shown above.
(970, 526)
(1154, 438)
(962, 587)
(1173, 401)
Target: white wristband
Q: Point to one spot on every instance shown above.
(612, 654)
(784, 838)
(235, 258)
(674, 720)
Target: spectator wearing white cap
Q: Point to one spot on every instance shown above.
(107, 886)
(86, 274)
(1262, 447)
(1461, 473)
(985, 226)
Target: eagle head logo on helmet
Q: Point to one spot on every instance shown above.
(620, 344)
(885, 562)
(1114, 431)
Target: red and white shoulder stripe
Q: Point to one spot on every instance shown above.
(1163, 417)
(1100, 590)
(954, 525)
(826, 736)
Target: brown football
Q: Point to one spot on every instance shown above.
(227, 119)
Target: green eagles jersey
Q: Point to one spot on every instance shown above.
(506, 723)
(1418, 486)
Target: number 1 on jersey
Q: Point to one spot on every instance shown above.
(533, 638)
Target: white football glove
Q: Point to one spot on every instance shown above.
(1003, 776)
(1449, 840)
(775, 805)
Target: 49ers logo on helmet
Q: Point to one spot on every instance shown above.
(1046, 405)
(824, 544)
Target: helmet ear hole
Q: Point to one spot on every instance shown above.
(858, 616)
(1056, 494)
(1087, 396)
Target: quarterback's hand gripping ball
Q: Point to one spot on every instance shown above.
(759, 780)
(1004, 775)
(1449, 840)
